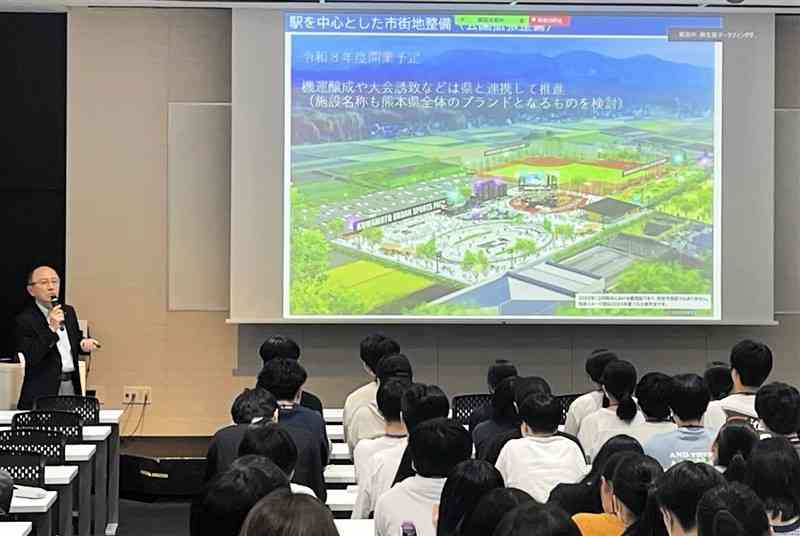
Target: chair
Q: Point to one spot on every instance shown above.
(566, 401)
(68, 423)
(51, 445)
(26, 468)
(87, 407)
(464, 405)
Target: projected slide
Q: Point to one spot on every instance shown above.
(502, 166)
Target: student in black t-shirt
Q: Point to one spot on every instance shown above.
(277, 347)
(499, 371)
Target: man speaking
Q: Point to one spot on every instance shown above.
(47, 334)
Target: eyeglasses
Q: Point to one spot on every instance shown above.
(44, 282)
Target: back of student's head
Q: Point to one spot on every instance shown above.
(375, 347)
(421, 402)
(491, 508)
(773, 472)
(283, 513)
(596, 363)
(272, 441)
(619, 381)
(734, 443)
(540, 412)
(778, 405)
(465, 485)
(653, 392)
(718, 378)
(6, 492)
(525, 385)
(499, 371)
(282, 377)
(253, 403)
(389, 398)
(503, 409)
(534, 519)
(731, 510)
(631, 484)
(279, 346)
(226, 499)
(619, 444)
(437, 445)
(689, 397)
(396, 366)
(679, 490)
(752, 361)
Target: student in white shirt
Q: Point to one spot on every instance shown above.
(751, 363)
(619, 381)
(437, 446)
(390, 395)
(361, 417)
(541, 459)
(590, 402)
(652, 394)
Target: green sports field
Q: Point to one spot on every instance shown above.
(570, 173)
(378, 284)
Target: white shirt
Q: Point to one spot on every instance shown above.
(583, 406)
(64, 346)
(368, 448)
(361, 417)
(411, 500)
(377, 478)
(743, 405)
(538, 464)
(301, 489)
(602, 425)
(646, 431)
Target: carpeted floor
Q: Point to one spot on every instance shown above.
(153, 519)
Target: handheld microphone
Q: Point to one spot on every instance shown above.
(53, 303)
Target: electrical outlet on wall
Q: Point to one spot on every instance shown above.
(139, 395)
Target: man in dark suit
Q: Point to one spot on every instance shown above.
(50, 340)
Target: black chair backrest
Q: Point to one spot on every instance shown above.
(51, 445)
(464, 405)
(26, 468)
(86, 406)
(566, 401)
(68, 423)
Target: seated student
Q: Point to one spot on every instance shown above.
(605, 522)
(420, 403)
(491, 509)
(675, 496)
(6, 493)
(691, 441)
(504, 416)
(778, 407)
(619, 381)
(284, 378)
(632, 481)
(590, 402)
(773, 473)
(282, 513)
(465, 485)
(731, 510)
(652, 394)
(223, 504)
(273, 441)
(751, 363)
(718, 378)
(390, 396)
(540, 460)
(731, 449)
(251, 404)
(361, 402)
(585, 496)
(534, 519)
(499, 371)
(284, 347)
(437, 446)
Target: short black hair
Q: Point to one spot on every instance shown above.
(596, 363)
(752, 361)
(394, 366)
(283, 513)
(499, 371)
(773, 472)
(272, 441)
(534, 519)
(541, 412)
(253, 403)
(375, 347)
(422, 402)
(225, 501)
(279, 346)
(390, 397)
(718, 378)
(437, 446)
(690, 397)
(525, 385)
(282, 377)
(778, 405)
(731, 510)
(491, 509)
(680, 488)
(653, 392)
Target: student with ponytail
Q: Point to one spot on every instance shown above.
(619, 382)
(632, 484)
(731, 510)
(672, 506)
(732, 448)
(606, 523)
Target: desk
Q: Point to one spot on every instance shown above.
(38, 510)
(335, 432)
(340, 500)
(340, 474)
(83, 456)
(15, 529)
(339, 451)
(355, 527)
(333, 415)
(98, 436)
(60, 478)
